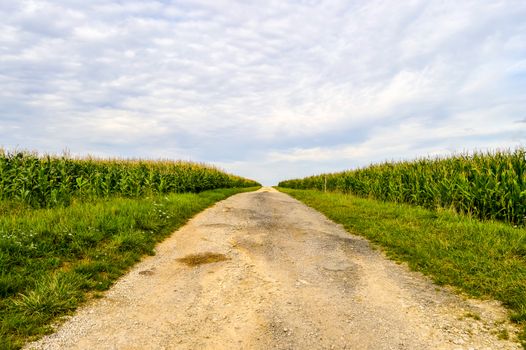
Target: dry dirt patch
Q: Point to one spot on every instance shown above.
(202, 258)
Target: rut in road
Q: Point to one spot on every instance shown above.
(260, 270)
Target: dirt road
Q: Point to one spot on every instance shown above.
(274, 274)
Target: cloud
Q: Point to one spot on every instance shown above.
(272, 90)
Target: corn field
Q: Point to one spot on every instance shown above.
(50, 181)
(488, 185)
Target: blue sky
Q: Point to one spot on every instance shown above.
(270, 90)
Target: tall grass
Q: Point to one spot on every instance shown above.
(49, 181)
(489, 185)
(69, 227)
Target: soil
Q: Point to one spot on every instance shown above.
(260, 270)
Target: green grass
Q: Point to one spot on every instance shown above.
(484, 259)
(51, 260)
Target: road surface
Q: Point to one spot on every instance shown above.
(261, 270)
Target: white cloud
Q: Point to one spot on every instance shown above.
(272, 89)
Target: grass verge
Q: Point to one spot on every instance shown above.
(51, 260)
(482, 259)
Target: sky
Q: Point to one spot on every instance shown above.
(269, 90)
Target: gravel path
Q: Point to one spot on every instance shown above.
(273, 273)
